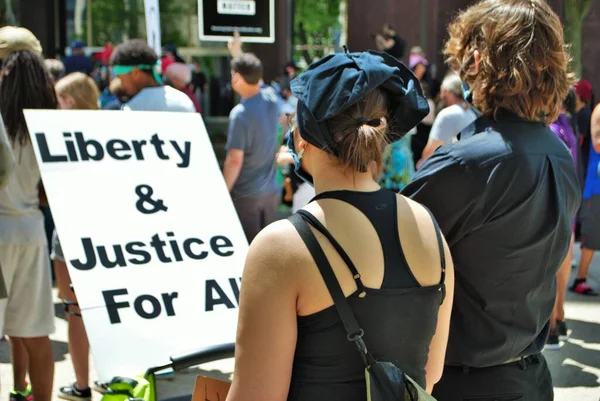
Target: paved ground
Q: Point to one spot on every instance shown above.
(575, 368)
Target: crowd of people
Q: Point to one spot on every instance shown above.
(394, 181)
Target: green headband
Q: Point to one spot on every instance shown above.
(126, 69)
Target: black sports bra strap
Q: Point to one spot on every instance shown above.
(339, 195)
(438, 234)
(339, 299)
(313, 221)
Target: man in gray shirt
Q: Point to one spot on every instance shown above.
(252, 145)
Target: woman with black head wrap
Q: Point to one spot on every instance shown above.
(378, 248)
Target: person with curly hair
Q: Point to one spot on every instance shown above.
(505, 199)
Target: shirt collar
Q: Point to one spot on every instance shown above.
(502, 116)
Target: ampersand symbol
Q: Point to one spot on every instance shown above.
(146, 204)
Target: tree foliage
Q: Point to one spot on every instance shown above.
(112, 21)
(575, 13)
(315, 23)
(116, 20)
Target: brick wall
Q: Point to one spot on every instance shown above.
(591, 48)
(367, 17)
(276, 55)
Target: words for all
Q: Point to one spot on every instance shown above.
(148, 306)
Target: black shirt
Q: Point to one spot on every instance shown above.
(584, 124)
(399, 319)
(198, 81)
(397, 50)
(505, 199)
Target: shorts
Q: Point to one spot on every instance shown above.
(590, 223)
(28, 311)
(57, 252)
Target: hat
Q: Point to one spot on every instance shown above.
(171, 48)
(583, 89)
(336, 82)
(416, 59)
(14, 38)
(77, 44)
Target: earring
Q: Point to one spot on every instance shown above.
(301, 153)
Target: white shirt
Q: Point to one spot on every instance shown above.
(160, 98)
(21, 221)
(451, 121)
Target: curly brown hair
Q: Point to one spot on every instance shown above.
(523, 63)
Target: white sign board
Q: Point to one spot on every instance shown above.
(153, 25)
(152, 241)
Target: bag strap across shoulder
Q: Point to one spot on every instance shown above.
(341, 304)
(313, 221)
(302, 223)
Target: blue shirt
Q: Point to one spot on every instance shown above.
(253, 129)
(592, 181)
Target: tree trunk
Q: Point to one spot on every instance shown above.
(78, 18)
(11, 19)
(304, 41)
(575, 13)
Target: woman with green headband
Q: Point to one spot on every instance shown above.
(137, 66)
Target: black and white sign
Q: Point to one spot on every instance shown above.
(152, 241)
(253, 19)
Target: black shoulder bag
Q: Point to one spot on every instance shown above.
(385, 381)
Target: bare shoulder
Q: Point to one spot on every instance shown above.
(419, 242)
(275, 252)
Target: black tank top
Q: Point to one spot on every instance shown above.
(399, 320)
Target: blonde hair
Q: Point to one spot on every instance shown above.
(523, 64)
(81, 88)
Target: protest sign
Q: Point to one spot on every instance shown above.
(153, 25)
(152, 241)
(253, 19)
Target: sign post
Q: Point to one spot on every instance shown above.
(253, 19)
(150, 235)
(153, 25)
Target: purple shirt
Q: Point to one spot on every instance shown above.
(564, 131)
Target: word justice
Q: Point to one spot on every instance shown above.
(141, 253)
(79, 149)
